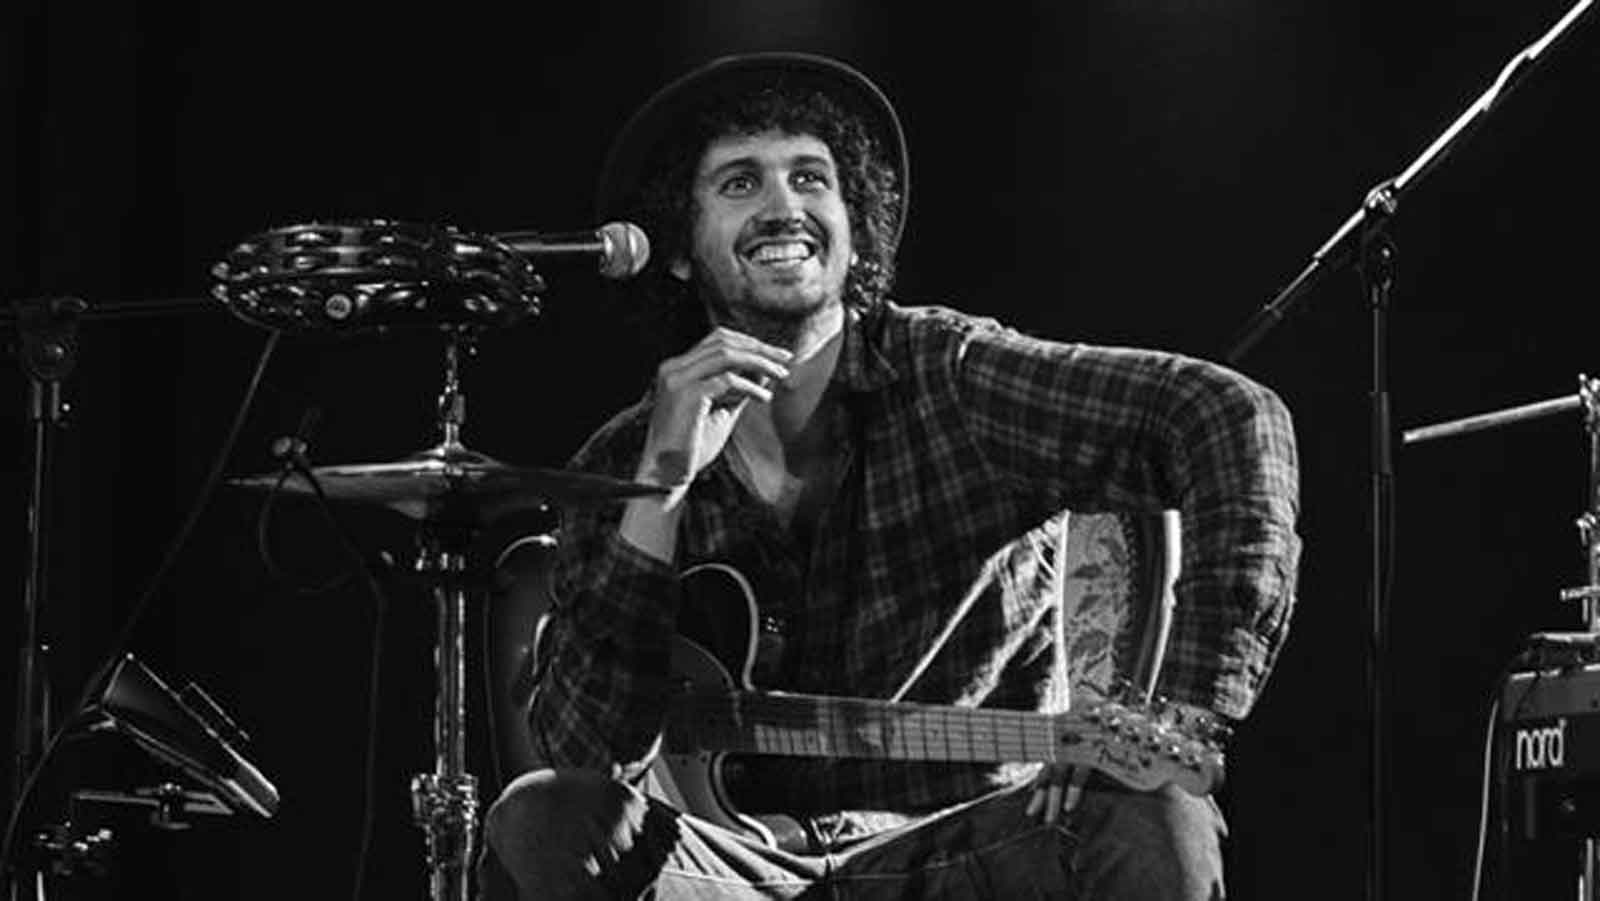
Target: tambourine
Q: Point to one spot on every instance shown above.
(376, 274)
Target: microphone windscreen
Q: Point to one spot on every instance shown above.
(627, 249)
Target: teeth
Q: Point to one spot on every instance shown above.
(779, 253)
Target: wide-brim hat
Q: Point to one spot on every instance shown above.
(647, 133)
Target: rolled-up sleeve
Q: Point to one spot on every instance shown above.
(1104, 428)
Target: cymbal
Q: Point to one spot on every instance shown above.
(425, 484)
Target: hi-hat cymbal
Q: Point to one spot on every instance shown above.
(454, 478)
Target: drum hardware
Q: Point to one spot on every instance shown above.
(186, 731)
(47, 349)
(1587, 399)
(171, 807)
(377, 275)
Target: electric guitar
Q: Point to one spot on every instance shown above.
(719, 716)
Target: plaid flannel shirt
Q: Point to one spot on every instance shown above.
(956, 439)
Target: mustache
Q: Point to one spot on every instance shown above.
(793, 227)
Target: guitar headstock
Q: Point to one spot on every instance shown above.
(1141, 747)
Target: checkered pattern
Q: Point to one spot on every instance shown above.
(958, 442)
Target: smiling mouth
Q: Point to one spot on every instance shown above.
(781, 253)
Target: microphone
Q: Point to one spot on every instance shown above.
(621, 248)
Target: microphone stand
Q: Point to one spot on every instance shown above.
(1364, 235)
(47, 350)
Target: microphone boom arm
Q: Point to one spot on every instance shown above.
(1384, 199)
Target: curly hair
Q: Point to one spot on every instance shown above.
(664, 202)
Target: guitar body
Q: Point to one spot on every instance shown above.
(721, 720)
(717, 639)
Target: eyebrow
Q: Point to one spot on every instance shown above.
(750, 161)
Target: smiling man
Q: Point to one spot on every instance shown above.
(885, 490)
(772, 235)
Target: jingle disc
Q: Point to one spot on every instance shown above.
(375, 274)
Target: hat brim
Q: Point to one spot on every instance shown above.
(636, 147)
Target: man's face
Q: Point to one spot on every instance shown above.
(771, 237)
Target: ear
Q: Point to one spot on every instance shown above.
(680, 269)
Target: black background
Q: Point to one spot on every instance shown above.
(1131, 172)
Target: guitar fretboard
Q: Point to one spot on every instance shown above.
(818, 726)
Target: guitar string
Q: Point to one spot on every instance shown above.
(909, 732)
(803, 726)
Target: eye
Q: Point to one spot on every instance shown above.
(811, 178)
(737, 185)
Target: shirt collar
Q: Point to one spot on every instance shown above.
(863, 365)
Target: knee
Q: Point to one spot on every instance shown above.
(544, 802)
(581, 830)
(1164, 844)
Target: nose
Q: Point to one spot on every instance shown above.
(782, 202)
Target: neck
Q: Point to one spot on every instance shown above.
(784, 422)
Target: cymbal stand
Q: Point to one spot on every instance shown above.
(1589, 523)
(445, 802)
(1589, 595)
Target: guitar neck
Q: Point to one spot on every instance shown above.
(818, 726)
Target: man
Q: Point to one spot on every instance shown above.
(893, 478)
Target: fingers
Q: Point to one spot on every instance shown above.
(1052, 803)
(1056, 791)
(1075, 783)
(725, 349)
(735, 389)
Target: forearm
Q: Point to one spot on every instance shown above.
(601, 696)
(1241, 553)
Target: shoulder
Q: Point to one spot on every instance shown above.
(917, 337)
(983, 352)
(931, 322)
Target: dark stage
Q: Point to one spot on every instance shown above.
(1135, 173)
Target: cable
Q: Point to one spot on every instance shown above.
(1483, 798)
(486, 654)
(369, 766)
(264, 545)
(290, 451)
(296, 464)
(141, 606)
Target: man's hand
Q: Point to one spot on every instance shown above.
(1056, 790)
(698, 399)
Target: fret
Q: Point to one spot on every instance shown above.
(948, 727)
(900, 746)
(964, 733)
(817, 736)
(1040, 727)
(938, 745)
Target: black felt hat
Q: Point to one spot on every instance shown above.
(638, 145)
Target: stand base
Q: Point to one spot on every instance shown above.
(447, 810)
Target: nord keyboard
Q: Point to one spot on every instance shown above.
(1548, 752)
